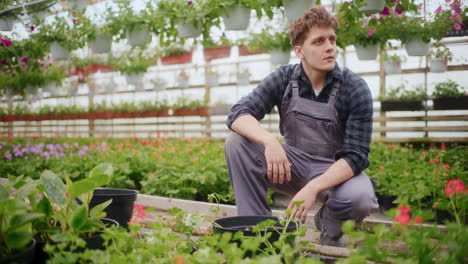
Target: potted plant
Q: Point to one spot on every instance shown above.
(392, 64)
(415, 33)
(440, 55)
(216, 49)
(186, 106)
(182, 79)
(7, 22)
(176, 54)
(402, 99)
(295, 8)
(236, 14)
(134, 67)
(16, 217)
(449, 95)
(371, 6)
(100, 38)
(159, 83)
(276, 42)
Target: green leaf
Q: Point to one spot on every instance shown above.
(62, 237)
(78, 188)
(101, 174)
(174, 210)
(25, 190)
(55, 189)
(44, 207)
(99, 208)
(18, 239)
(80, 221)
(3, 193)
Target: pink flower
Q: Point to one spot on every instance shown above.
(141, 214)
(134, 222)
(139, 207)
(370, 32)
(403, 219)
(394, 0)
(454, 186)
(189, 150)
(446, 166)
(75, 20)
(382, 167)
(5, 42)
(398, 9)
(4, 62)
(189, 140)
(457, 26)
(189, 2)
(32, 28)
(443, 145)
(424, 153)
(438, 10)
(404, 209)
(436, 160)
(386, 11)
(25, 60)
(418, 220)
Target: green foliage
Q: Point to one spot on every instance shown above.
(402, 93)
(439, 50)
(448, 88)
(269, 39)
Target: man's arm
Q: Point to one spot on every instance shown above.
(278, 165)
(339, 172)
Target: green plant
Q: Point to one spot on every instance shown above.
(133, 63)
(174, 49)
(439, 50)
(269, 39)
(448, 88)
(16, 216)
(401, 93)
(188, 102)
(393, 58)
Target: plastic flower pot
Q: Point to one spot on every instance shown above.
(244, 51)
(134, 78)
(23, 257)
(78, 3)
(58, 52)
(101, 44)
(7, 23)
(295, 8)
(451, 103)
(238, 18)
(410, 105)
(279, 57)
(372, 6)
(188, 30)
(369, 52)
(121, 208)
(139, 36)
(392, 67)
(177, 59)
(438, 65)
(417, 47)
(245, 224)
(216, 53)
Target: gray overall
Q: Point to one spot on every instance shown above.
(312, 137)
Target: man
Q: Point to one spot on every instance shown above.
(326, 121)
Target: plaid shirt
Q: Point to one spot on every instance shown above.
(354, 107)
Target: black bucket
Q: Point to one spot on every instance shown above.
(24, 257)
(246, 223)
(121, 208)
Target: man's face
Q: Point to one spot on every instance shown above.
(318, 51)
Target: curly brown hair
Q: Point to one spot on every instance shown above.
(315, 16)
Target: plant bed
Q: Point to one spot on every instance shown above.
(201, 111)
(451, 103)
(411, 105)
(177, 59)
(244, 51)
(217, 52)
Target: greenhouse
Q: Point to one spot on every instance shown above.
(233, 131)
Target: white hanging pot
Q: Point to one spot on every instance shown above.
(243, 79)
(212, 80)
(417, 47)
(295, 8)
(7, 23)
(438, 65)
(51, 88)
(237, 19)
(369, 52)
(139, 36)
(373, 6)
(80, 4)
(188, 30)
(134, 79)
(41, 14)
(58, 52)
(392, 67)
(279, 57)
(101, 44)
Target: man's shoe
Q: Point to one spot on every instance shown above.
(324, 238)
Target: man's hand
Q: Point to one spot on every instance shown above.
(278, 165)
(306, 194)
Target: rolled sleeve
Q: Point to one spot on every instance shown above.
(358, 128)
(261, 100)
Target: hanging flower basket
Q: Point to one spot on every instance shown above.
(58, 52)
(244, 51)
(295, 8)
(237, 19)
(392, 67)
(177, 59)
(80, 4)
(216, 53)
(451, 103)
(438, 65)
(101, 44)
(188, 30)
(417, 47)
(279, 57)
(372, 6)
(369, 52)
(7, 23)
(134, 78)
(139, 36)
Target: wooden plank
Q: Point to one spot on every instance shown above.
(423, 118)
(421, 139)
(422, 129)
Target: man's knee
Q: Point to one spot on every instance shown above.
(360, 196)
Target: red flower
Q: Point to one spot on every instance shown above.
(160, 139)
(134, 222)
(403, 219)
(161, 148)
(92, 145)
(424, 153)
(446, 166)
(454, 186)
(385, 11)
(418, 220)
(144, 142)
(189, 150)
(135, 139)
(189, 140)
(157, 155)
(443, 145)
(404, 209)
(141, 214)
(436, 160)
(139, 207)
(381, 167)
(178, 259)
(431, 161)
